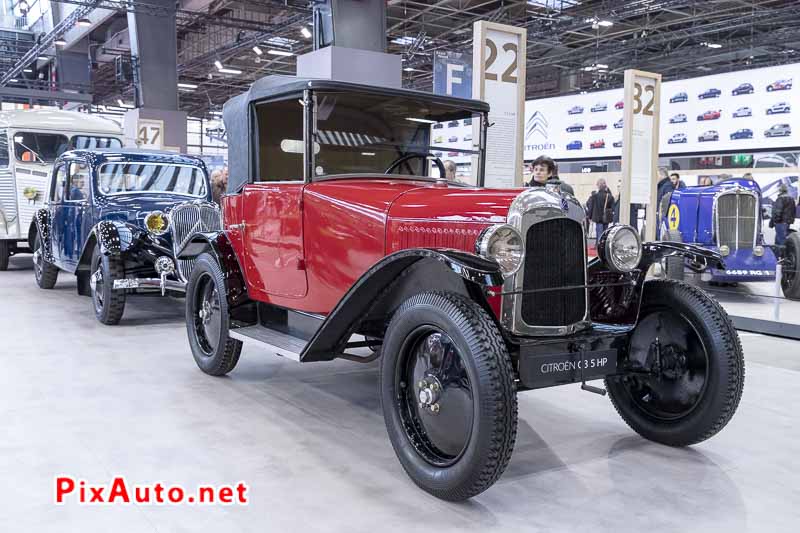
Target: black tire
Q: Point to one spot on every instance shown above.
(790, 279)
(674, 264)
(108, 304)
(46, 274)
(690, 401)
(456, 457)
(214, 351)
(5, 254)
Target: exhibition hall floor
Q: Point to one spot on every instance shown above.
(93, 401)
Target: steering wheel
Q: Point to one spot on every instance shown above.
(400, 160)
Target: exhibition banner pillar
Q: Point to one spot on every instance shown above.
(642, 100)
(498, 78)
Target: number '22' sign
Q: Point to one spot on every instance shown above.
(508, 74)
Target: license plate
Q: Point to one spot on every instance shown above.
(126, 283)
(556, 369)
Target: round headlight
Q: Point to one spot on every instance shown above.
(621, 248)
(724, 250)
(758, 251)
(502, 243)
(156, 223)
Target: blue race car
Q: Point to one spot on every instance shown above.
(575, 145)
(710, 93)
(725, 218)
(116, 219)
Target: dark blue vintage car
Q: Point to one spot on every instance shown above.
(726, 218)
(116, 218)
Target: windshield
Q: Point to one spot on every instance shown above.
(367, 133)
(125, 178)
(86, 142)
(30, 147)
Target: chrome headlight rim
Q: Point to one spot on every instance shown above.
(724, 250)
(484, 242)
(151, 230)
(605, 248)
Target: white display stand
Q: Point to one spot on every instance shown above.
(499, 79)
(640, 146)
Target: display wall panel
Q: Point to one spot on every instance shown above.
(698, 115)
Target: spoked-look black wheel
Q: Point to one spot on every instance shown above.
(46, 274)
(207, 319)
(108, 303)
(790, 278)
(448, 396)
(685, 370)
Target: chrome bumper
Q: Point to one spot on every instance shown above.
(150, 283)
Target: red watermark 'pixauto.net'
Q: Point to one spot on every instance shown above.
(120, 491)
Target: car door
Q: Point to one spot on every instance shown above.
(57, 225)
(272, 205)
(76, 209)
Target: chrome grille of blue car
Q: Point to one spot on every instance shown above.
(186, 220)
(737, 220)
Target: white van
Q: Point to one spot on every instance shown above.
(30, 140)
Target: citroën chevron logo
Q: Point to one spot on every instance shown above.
(537, 124)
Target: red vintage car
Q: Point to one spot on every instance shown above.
(341, 233)
(709, 115)
(599, 143)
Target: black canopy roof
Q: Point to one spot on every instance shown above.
(235, 112)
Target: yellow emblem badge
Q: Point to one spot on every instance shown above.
(673, 217)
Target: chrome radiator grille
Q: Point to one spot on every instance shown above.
(185, 221)
(736, 220)
(554, 257)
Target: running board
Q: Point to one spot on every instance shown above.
(274, 341)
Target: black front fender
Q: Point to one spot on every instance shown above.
(699, 258)
(218, 245)
(43, 226)
(374, 295)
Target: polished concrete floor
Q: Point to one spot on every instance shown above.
(93, 401)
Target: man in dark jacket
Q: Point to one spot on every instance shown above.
(783, 211)
(600, 208)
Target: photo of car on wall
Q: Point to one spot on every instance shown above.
(618, 124)
(780, 85)
(744, 88)
(781, 107)
(677, 138)
(677, 119)
(452, 139)
(575, 145)
(597, 127)
(710, 135)
(744, 133)
(600, 143)
(679, 97)
(778, 130)
(617, 144)
(599, 106)
(575, 110)
(711, 114)
(574, 128)
(743, 112)
(619, 105)
(710, 93)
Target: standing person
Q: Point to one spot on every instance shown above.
(675, 179)
(217, 186)
(600, 208)
(543, 169)
(450, 170)
(783, 211)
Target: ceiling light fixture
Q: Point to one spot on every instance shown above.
(43, 58)
(28, 70)
(187, 86)
(257, 50)
(60, 42)
(280, 53)
(305, 32)
(218, 64)
(422, 120)
(84, 22)
(230, 71)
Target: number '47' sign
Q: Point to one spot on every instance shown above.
(150, 134)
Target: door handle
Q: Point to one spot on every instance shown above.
(237, 226)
